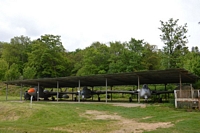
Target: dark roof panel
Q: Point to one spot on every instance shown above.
(145, 77)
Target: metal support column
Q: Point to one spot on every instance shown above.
(92, 91)
(138, 89)
(180, 86)
(111, 93)
(21, 93)
(79, 92)
(6, 92)
(72, 94)
(165, 93)
(192, 91)
(106, 90)
(57, 90)
(38, 91)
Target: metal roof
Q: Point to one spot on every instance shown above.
(145, 77)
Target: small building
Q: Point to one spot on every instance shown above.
(187, 97)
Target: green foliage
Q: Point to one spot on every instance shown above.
(75, 59)
(16, 51)
(175, 42)
(134, 55)
(197, 85)
(29, 73)
(13, 73)
(95, 60)
(1, 48)
(3, 68)
(150, 57)
(192, 62)
(48, 58)
(117, 61)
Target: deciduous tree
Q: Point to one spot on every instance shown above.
(3, 69)
(117, 62)
(48, 57)
(16, 51)
(134, 55)
(13, 72)
(175, 40)
(95, 60)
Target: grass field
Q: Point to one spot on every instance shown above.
(62, 117)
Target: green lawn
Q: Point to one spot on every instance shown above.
(48, 117)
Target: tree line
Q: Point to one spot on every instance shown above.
(45, 57)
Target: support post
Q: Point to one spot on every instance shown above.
(192, 91)
(138, 89)
(106, 90)
(199, 103)
(38, 91)
(175, 95)
(165, 93)
(111, 93)
(79, 92)
(57, 90)
(92, 91)
(21, 93)
(198, 99)
(6, 92)
(72, 94)
(180, 86)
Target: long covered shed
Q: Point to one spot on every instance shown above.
(132, 78)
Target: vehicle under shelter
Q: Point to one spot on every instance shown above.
(168, 76)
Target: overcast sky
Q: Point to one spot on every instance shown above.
(82, 22)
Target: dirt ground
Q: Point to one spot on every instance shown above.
(112, 103)
(126, 125)
(129, 105)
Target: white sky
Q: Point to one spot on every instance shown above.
(82, 22)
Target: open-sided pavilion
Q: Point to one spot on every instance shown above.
(132, 78)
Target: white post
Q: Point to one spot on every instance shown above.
(175, 95)
(31, 101)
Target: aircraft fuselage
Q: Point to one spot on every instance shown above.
(145, 92)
